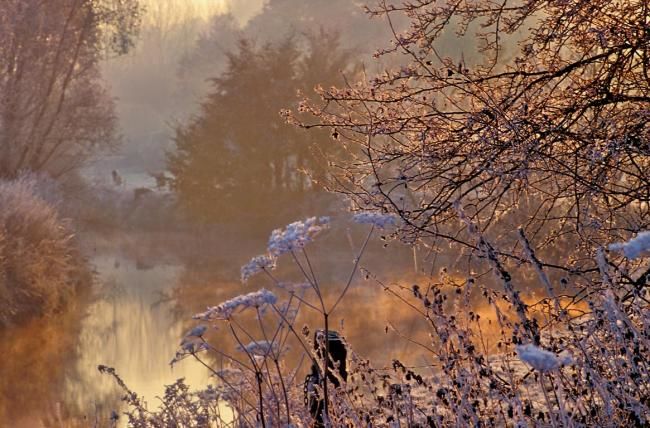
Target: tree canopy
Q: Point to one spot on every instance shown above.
(54, 109)
(237, 156)
(553, 139)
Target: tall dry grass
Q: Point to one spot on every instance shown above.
(40, 268)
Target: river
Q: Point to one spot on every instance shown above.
(139, 311)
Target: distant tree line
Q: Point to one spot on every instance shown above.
(237, 156)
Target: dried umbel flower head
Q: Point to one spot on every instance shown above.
(259, 348)
(225, 310)
(541, 359)
(197, 331)
(635, 247)
(378, 220)
(256, 265)
(296, 235)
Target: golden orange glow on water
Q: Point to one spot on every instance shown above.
(143, 312)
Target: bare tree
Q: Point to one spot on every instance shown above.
(553, 139)
(54, 110)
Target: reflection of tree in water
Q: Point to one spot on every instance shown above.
(129, 328)
(38, 357)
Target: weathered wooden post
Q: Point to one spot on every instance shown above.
(336, 361)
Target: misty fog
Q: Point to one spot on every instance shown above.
(165, 162)
(154, 263)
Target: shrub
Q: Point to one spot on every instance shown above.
(40, 268)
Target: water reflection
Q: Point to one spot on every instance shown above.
(50, 377)
(132, 328)
(362, 317)
(35, 365)
(144, 308)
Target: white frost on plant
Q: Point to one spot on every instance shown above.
(256, 299)
(296, 235)
(541, 359)
(256, 265)
(260, 348)
(197, 331)
(188, 346)
(230, 374)
(192, 338)
(635, 247)
(380, 221)
(194, 347)
(294, 287)
(288, 312)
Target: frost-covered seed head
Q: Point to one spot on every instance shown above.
(197, 331)
(380, 221)
(296, 235)
(635, 247)
(541, 359)
(255, 265)
(259, 348)
(225, 310)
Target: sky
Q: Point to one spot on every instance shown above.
(243, 10)
(144, 87)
